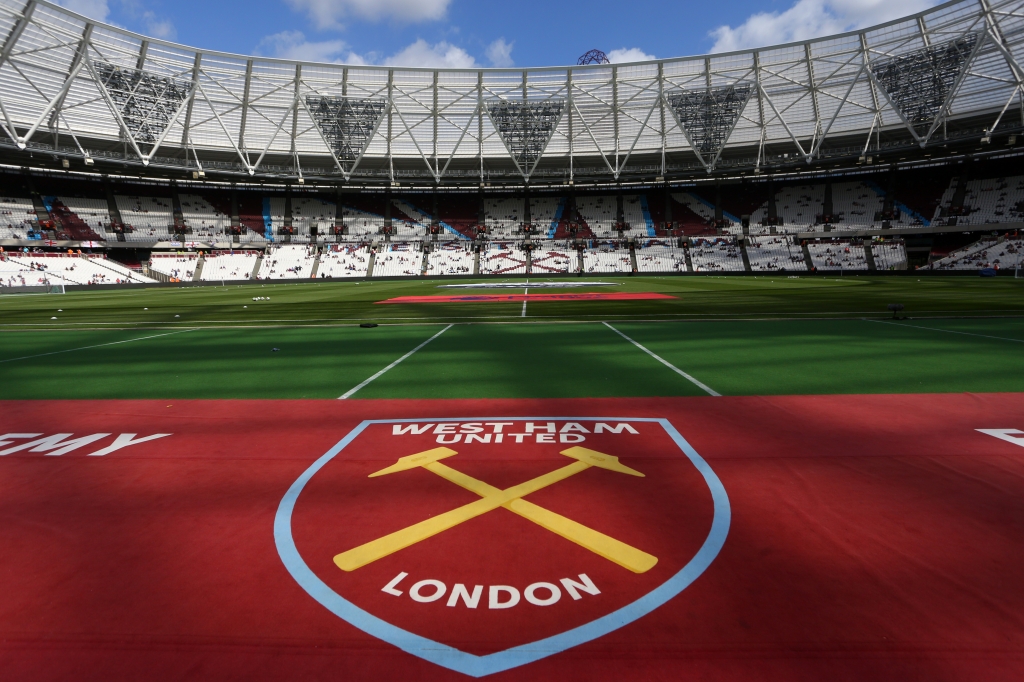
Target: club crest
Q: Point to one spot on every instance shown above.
(482, 544)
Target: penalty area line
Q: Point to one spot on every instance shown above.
(394, 364)
(98, 345)
(704, 387)
(948, 331)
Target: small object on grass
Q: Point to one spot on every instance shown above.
(895, 308)
(275, 350)
(364, 325)
(177, 315)
(245, 306)
(145, 308)
(53, 318)
(60, 310)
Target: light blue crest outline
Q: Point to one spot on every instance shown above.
(471, 664)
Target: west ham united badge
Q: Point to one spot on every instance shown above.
(482, 544)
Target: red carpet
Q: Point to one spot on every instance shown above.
(871, 537)
(518, 298)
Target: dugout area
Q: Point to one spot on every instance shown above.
(592, 491)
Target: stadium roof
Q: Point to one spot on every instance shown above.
(76, 88)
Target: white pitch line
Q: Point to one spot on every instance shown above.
(526, 292)
(668, 364)
(99, 345)
(948, 331)
(353, 391)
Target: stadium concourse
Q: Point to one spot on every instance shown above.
(699, 368)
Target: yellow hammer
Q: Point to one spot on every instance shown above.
(492, 498)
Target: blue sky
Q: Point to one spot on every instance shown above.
(467, 33)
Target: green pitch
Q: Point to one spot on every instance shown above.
(730, 335)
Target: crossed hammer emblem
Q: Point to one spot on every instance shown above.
(511, 499)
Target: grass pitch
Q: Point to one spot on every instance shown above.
(736, 335)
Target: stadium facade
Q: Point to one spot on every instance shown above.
(89, 93)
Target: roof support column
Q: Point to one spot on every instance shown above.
(661, 106)
(191, 101)
(245, 106)
(391, 108)
(570, 107)
(16, 32)
(615, 115)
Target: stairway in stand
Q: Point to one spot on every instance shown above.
(197, 276)
(75, 227)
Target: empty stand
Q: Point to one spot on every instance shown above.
(659, 255)
(398, 260)
(551, 258)
(286, 262)
(450, 259)
(607, 257)
(225, 266)
(774, 253)
(985, 253)
(503, 259)
(837, 256)
(889, 255)
(715, 254)
(339, 261)
(16, 217)
(180, 267)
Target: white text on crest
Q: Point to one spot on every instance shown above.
(511, 432)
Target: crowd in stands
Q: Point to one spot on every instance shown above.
(775, 253)
(450, 259)
(838, 256)
(398, 260)
(718, 254)
(986, 253)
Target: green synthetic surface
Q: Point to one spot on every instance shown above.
(499, 354)
(711, 297)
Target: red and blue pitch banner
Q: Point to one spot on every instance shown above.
(787, 538)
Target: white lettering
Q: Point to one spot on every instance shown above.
(531, 427)
(123, 441)
(602, 427)
(439, 590)
(531, 594)
(1015, 436)
(498, 426)
(573, 426)
(545, 438)
(55, 443)
(445, 428)
(571, 586)
(498, 437)
(472, 427)
(4, 441)
(472, 438)
(444, 439)
(414, 429)
(518, 436)
(570, 438)
(390, 587)
(460, 591)
(494, 598)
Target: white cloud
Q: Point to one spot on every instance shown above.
(158, 28)
(629, 54)
(331, 13)
(811, 19)
(293, 45)
(94, 9)
(499, 53)
(441, 55)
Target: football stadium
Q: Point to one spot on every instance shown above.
(697, 368)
